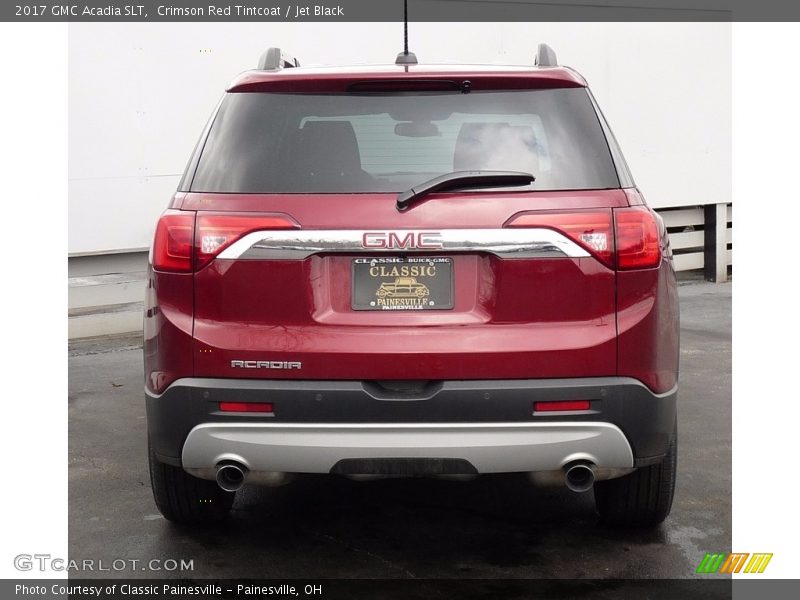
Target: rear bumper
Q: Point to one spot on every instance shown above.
(489, 424)
(460, 448)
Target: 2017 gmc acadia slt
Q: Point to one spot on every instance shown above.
(411, 270)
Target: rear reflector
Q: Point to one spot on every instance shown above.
(638, 244)
(561, 405)
(215, 232)
(259, 407)
(590, 229)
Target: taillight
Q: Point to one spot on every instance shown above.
(634, 237)
(590, 229)
(638, 243)
(215, 232)
(181, 244)
(172, 247)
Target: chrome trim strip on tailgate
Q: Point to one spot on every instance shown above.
(489, 447)
(505, 243)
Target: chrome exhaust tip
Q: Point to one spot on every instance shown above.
(230, 476)
(579, 476)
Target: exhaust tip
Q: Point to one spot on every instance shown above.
(230, 476)
(579, 477)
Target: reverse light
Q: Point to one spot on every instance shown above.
(257, 407)
(590, 229)
(638, 243)
(215, 232)
(561, 405)
(172, 247)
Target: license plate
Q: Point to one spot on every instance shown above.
(409, 283)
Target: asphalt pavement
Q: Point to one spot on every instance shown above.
(328, 527)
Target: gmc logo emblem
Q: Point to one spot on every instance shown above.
(402, 240)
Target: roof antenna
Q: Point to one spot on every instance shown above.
(405, 57)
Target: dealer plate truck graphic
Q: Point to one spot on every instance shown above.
(403, 287)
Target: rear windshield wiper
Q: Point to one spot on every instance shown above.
(461, 180)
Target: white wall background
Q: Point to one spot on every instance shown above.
(139, 95)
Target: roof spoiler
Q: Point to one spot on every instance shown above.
(545, 57)
(273, 59)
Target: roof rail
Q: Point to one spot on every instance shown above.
(273, 59)
(545, 57)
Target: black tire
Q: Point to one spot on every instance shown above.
(182, 498)
(643, 498)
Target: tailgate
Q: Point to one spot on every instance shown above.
(445, 291)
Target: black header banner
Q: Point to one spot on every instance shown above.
(274, 11)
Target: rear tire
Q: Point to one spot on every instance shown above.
(182, 498)
(642, 498)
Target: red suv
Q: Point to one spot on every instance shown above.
(411, 270)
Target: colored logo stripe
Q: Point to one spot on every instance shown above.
(711, 563)
(758, 563)
(733, 562)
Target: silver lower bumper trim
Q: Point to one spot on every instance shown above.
(489, 447)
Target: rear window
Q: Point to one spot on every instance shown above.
(292, 143)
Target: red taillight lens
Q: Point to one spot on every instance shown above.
(172, 247)
(638, 244)
(216, 232)
(561, 405)
(590, 229)
(259, 407)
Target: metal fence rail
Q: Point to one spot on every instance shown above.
(701, 238)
